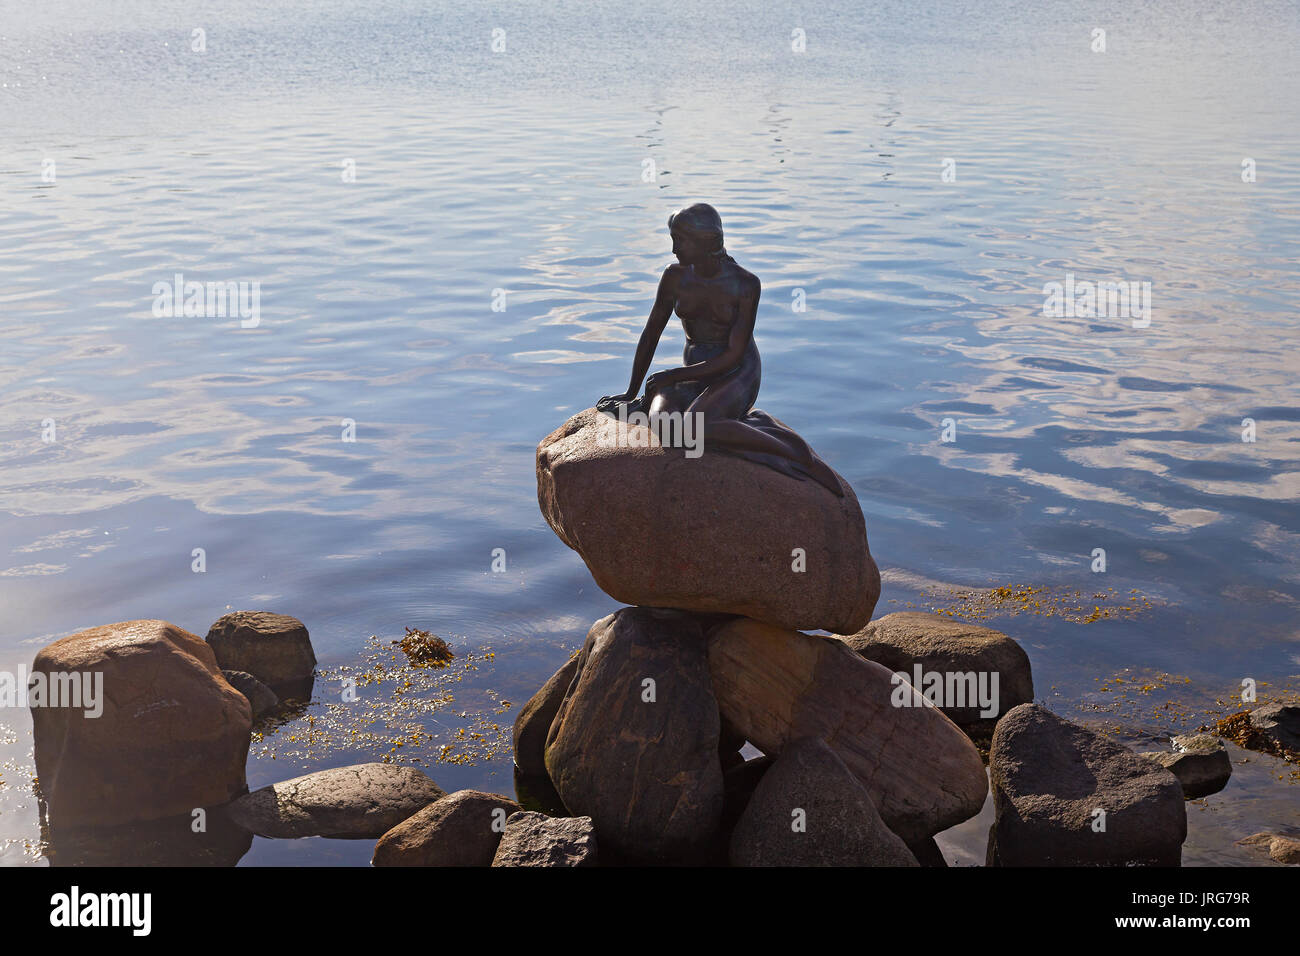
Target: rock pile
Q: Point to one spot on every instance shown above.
(727, 563)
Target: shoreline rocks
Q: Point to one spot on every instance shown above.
(461, 829)
(1066, 796)
(261, 699)
(922, 772)
(1280, 723)
(1280, 848)
(364, 800)
(714, 533)
(274, 648)
(172, 734)
(1199, 761)
(534, 839)
(982, 665)
(533, 723)
(634, 743)
(810, 810)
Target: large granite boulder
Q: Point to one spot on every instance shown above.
(634, 744)
(533, 723)
(461, 829)
(170, 736)
(713, 533)
(1066, 796)
(1199, 761)
(274, 648)
(776, 686)
(976, 665)
(364, 800)
(534, 839)
(810, 810)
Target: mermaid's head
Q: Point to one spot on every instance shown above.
(697, 233)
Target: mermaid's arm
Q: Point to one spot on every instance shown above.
(665, 300)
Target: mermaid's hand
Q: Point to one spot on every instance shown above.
(611, 400)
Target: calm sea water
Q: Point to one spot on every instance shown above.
(528, 170)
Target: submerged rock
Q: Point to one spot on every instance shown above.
(1065, 796)
(172, 735)
(810, 810)
(951, 648)
(274, 648)
(364, 800)
(634, 744)
(715, 533)
(533, 723)
(533, 839)
(1282, 849)
(460, 829)
(1199, 761)
(775, 686)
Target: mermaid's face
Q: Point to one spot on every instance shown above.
(689, 248)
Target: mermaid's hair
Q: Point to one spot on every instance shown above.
(700, 220)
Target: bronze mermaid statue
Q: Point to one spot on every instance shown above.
(717, 302)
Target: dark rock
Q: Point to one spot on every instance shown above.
(775, 686)
(1050, 777)
(274, 648)
(461, 829)
(634, 744)
(172, 736)
(950, 647)
(536, 792)
(810, 810)
(928, 854)
(533, 839)
(1280, 722)
(1199, 761)
(174, 841)
(533, 723)
(261, 698)
(364, 800)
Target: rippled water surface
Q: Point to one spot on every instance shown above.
(526, 171)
